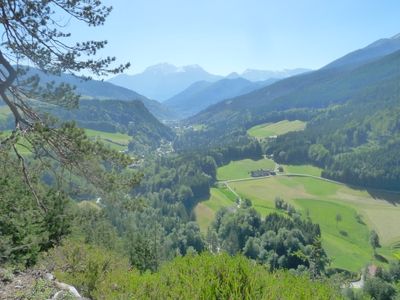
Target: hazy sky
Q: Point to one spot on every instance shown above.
(231, 35)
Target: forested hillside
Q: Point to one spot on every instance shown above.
(352, 118)
(131, 117)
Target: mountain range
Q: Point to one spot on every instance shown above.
(163, 81)
(333, 84)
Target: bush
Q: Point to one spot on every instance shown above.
(83, 266)
(207, 276)
(378, 289)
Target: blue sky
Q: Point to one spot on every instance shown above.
(231, 35)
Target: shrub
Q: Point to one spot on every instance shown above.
(208, 276)
(83, 266)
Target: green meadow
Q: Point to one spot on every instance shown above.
(302, 169)
(346, 241)
(205, 210)
(241, 168)
(117, 141)
(279, 128)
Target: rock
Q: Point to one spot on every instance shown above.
(69, 288)
(49, 276)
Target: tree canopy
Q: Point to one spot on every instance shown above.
(35, 32)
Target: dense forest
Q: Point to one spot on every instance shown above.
(356, 142)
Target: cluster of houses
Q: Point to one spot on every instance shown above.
(262, 172)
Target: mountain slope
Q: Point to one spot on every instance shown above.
(115, 115)
(203, 94)
(353, 128)
(357, 142)
(373, 51)
(317, 89)
(162, 81)
(105, 90)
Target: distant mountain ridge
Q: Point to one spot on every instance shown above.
(164, 81)
(373, 51)
(105, 90)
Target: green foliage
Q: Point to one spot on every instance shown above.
(378, 289)
(83, 266)
(207, 276)
(130, 117)
(374, 240)
(42, 289)
(25, 229)
(92, 224)
(278, 241)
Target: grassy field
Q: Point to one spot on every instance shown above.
(117, 141)
(346, 242)
(205, 210)
(302, 169)
(241, 168)
(271, 129)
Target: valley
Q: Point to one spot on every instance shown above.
(251, 178)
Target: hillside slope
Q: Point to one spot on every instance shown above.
(104, 90)
(115, 115)
(314, 90)
(353, 114)
(373, 51)
(202, 94)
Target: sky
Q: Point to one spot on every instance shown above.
(225, 36)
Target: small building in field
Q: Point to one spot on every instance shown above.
(262, 173)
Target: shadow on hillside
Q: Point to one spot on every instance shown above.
(391, 197)
(381, 258)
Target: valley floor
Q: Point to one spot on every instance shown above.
(346, 241)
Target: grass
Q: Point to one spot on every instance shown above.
(117, 141)
(279, 128)
(205, 210)
(346, 242)
(324, 201)
(241, 168)
(302, 169)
